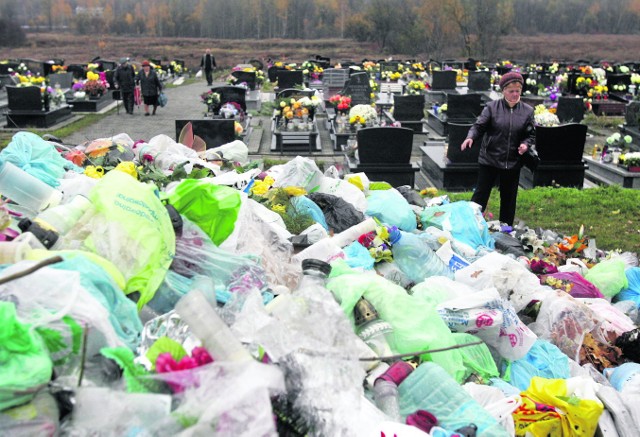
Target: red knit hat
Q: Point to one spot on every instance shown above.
(146, 64)
(510, 77)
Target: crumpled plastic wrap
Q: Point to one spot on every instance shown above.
(564, 321)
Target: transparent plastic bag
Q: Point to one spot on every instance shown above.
(298, 172)
(563, 321)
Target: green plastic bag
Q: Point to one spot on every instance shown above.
(212, 207)
(477, 359)
(25, 365)
(415, 322)
(132, 229)
(608, 276)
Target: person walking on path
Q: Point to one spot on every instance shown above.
(124, 80)
(150, 87)
(208, 63)
(506, 130)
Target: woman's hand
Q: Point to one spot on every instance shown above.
(522, 148)
(466, 143)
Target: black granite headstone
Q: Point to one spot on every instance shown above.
(457, 134)
(358, 88)
(5, 67)
(408, 108)
(479, 81)
(384, 145)
(443, 80)
(289, 78)
(564, 143)
(248, 77)
(27, 98)
(294, 93)
(229, 94)
(570, 109)
(463, 106)
(214, 132)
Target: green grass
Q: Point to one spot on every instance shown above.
(598, 122)
(609, 214)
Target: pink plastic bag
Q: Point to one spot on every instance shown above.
(573, 283)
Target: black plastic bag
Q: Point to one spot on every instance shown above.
(506, 244)
(339, 214)
(411, 196)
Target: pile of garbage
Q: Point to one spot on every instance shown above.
(147, 289)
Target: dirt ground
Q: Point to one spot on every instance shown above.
(534, 48)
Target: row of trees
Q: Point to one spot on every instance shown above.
(404, 26)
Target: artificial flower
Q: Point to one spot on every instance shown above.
(127, 167)
(295, 191)
(93, 171)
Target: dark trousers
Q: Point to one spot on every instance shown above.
(508, 184)
(209, 75)
(127, 101)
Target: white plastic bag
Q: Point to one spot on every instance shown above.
(345, 190)
(491, 318)
(235, 151)
(199, 74)
(299, 172)
(496, 403)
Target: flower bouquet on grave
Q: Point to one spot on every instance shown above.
(341, 103)
(362, 115)
(630, 161)
(212, 100)
(415, 87)
(311, 104)
(232, 110)
(543, 117)
(56, 96)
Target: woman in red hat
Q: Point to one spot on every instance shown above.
(150, 87)
(504, 130)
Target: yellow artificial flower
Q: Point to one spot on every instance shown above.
(269, 180)
(238, 128)
(127, 167)
(357, 181)
(92, 76)
(431, 192)
(295, 191)
(94, 172)
(280, 209)
(260, 188)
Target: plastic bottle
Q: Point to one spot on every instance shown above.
(207, 325)
(16, 250)
(415, 258)
(431, 388)
(52, 223)
(372, 329)
(385, 389)
(25, 189)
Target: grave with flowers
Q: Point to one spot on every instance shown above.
(90, 94)
(35, 106)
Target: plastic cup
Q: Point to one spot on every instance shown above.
(26, 190)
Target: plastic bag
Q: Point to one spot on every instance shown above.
(39, 417)
(567, 411)
(235, 151)
(339, 214)
(463, 219)
(212, 207)
(391, 208)
(167, 153)
(162, 99)
(298, 172)
(358, 256)
(632, 291)
(611, 322)
(307, 206)
(344, 190)
(505, 243)
(608, 276)
(544, 360)
(132, 229)
(513, 281)
(26, 365)
(37, 157)
(496, 403)
(477, 359)
(563, 321)
(574, 284)
(415, 322)
(411, 196)
(494, 320)
(122, 311)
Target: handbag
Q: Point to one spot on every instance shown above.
(162, 99)
(530, 159)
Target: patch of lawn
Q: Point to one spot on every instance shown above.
(609, 214)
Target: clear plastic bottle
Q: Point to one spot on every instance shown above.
(206, 324)
(415, 258)
(385, 389)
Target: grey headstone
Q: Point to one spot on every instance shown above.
(358, 88)
(64, 80)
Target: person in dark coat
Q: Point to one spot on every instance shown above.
(124, 80)
(150, 87)
(208, 63)
(504, 131)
